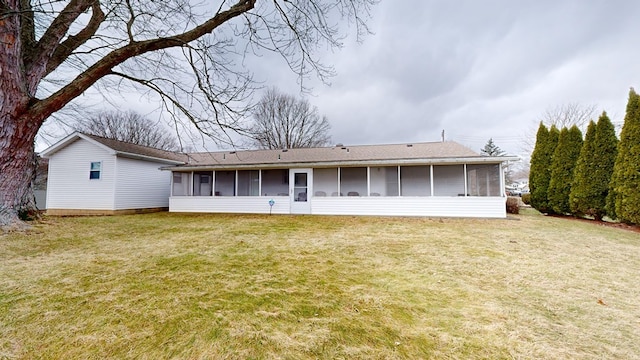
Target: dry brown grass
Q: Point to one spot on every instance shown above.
(285, 287)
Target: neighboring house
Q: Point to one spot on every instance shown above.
(94, 175)
(423, 179)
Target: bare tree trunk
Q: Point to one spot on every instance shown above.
(18, 128)
(17, 168)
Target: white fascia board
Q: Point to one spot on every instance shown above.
(148, 158)
(48, 152)
(321, 164)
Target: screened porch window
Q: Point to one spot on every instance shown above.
(202, 183)
(415, 181)
(353, 181)
(275, 182)
(225, 184)
(325, 182)
(448, 180)
(248, 182)
(181, 182)
(383, 181)
(483, 180)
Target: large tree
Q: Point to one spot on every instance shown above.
(130, 127)
(282, 121)
(186, 52)
(563, 164)
(624, 198)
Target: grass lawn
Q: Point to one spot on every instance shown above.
(182, 286)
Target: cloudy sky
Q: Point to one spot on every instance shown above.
(477, 69)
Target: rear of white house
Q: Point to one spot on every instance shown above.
(425, 179)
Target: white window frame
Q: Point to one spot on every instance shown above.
(99, 171)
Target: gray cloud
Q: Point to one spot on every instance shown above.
(479, 69)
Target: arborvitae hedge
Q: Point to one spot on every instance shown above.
(540, 172)
(606, 150)
(624, 189)
(563, 163)
(538, 167)
(582, 196)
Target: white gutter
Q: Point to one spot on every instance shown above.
(349, 163)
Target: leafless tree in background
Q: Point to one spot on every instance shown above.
(130, 127)
(282, 121)
(188, 54)
(568, 115)
(565, 115)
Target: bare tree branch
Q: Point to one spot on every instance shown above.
(104, 66)
(36, 62)
(130, 127)
(565, 115)
(283, 122)
(67, 47)
(187, 56)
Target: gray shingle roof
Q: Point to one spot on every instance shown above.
(447, 152)
(338, 154)
(133, 149)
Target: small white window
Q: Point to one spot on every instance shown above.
(94, 173)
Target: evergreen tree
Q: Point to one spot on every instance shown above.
(605, 151)
(563, 164)
(491, 149)
(540, 173)
(624, 195)
(582, 196)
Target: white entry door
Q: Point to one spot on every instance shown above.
(300, 186)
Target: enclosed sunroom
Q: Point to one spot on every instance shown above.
(425, 179)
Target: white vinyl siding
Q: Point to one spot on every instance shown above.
(229, 204)
(68, 184)
(474, 207)
(141, 184)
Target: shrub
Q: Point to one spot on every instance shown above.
(526, 198)
(513, 205)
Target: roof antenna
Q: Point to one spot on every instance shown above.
(442, 135)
